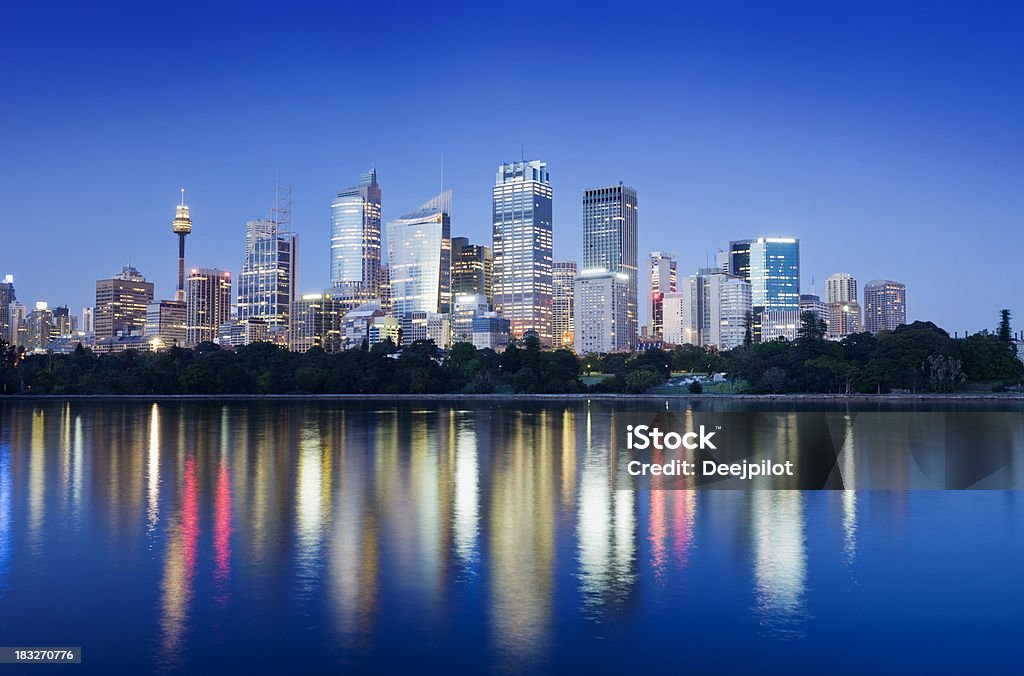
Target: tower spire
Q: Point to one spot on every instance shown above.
(182, 226)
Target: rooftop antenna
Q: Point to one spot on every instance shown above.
(182, 197)
(442, 175)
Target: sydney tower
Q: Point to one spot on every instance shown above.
(182, 226)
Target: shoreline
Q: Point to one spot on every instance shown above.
(810, 397)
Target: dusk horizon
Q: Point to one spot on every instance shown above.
(895, 162)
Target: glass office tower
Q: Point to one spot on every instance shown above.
(472, 269)
(266, 287)
(774, 276)
(609, 245)
(522, 247)
(355, 241)
(419, 255)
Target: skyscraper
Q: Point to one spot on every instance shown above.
(355, 241)
(166, 320)
(844, 310)
(40, 329)
(182, 226)
(88, 321)
(64, 323)
(662, 268)
(472, 269)
(885, 305)
(521, 217)
(610, 245)
(7, 298)
(316, 321)
(738, 257)
(840, 288)
(601, 314)
(419, 252)
(207, 304)
(121, 304)
(563, 278)
(19, 327)
(772, 266)
(267, 285)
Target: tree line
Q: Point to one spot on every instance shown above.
(918, 357)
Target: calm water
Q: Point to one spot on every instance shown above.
(482, 536)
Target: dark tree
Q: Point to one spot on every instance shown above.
(812, 327)
(1004, 326)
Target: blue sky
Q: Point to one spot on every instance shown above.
(888, 136)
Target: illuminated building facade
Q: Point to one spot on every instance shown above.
(122, 303)
(563, 282)
(207, 304)
(39, 328)
(316, 321)
(664, 280)
(267, 285)
(521, 218)
(356, 241)
(419, 254)
(602, 322)
(467, 307)
(166, 321)
(710, 309)
(7, 298)
(772, 266)
(610, 246)
(885, 305)
(472, 269)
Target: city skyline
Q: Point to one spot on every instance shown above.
(790, 129)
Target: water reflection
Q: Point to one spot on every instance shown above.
(522, 539)
(780, 560)
(354, 550)
(356, 524)
(849, 495)
(606, 524)
(467, 501)
(179, 569)
(152, 469)
(37, 482)
(5, 512)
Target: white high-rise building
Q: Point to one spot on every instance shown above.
(663, 279)
(844, 310)
(207, 304)
(602, 321)
(840, 288)
(610, 246)
(710, 309)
